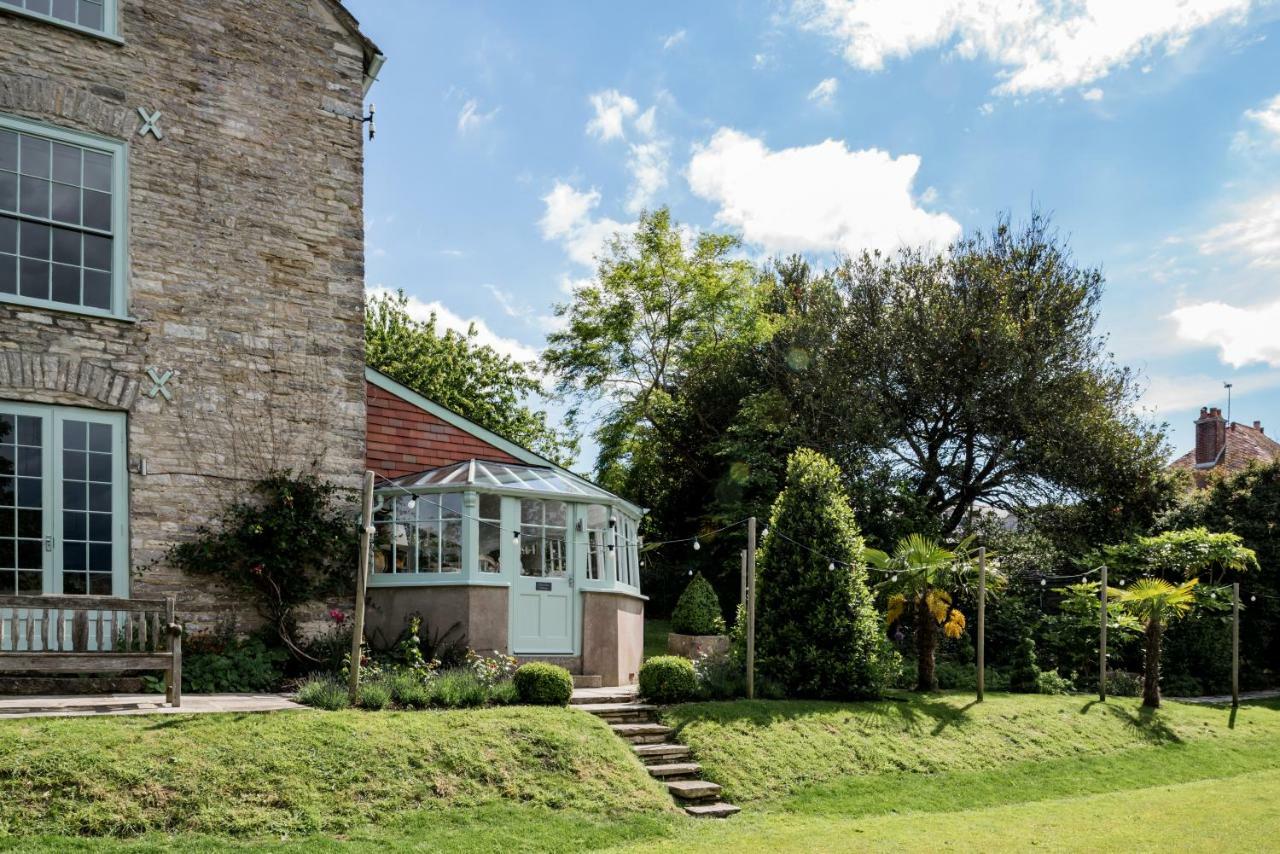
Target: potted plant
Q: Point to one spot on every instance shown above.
(697, 624)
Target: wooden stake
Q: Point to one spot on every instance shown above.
(742, 599)
(1102, 640)
(1235, 645)
(751, 608)
(362, 577)
(982, 620)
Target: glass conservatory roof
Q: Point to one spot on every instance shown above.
(507, 476)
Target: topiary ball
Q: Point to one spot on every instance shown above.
(698, 610)
(541, 684)
(668, 679)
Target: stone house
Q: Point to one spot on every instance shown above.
(181, 276)
(508, 549)
(1224, 448)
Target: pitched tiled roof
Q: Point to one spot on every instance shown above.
(1244, 444)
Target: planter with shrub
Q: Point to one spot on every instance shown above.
(697, 627)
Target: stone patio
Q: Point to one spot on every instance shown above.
(140, 704)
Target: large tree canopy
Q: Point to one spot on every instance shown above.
(461, 374)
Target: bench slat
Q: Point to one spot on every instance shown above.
(84, 662)
(75, 602)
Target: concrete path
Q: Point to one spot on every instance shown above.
(1225, 699)
(140, 704)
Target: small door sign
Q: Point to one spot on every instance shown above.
(542, 585)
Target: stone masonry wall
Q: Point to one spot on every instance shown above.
(245, 256)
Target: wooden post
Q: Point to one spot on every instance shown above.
(175, 649)
(1235, 645)
(982, 621)
(743, 598)
(751, 608)
(1102, 639)
(362, 577)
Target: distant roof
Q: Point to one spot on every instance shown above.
(1243, 445)
(539, 480)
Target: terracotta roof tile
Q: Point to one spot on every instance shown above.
(1244, 444)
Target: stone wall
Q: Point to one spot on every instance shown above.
(245, 256)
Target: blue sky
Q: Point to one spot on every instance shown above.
(513, 137)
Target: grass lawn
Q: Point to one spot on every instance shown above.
(655, 637)
(921, 773)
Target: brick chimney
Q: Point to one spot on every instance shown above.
(1211, 434)
(1257, 425)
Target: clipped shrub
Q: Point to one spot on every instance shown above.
(323, 691)
(374, 695)
(541, 684)
(1024, 673)
(408, 690)
(698, 610)
(457, 689)
(1049, 682)
(668, 679)
(817, 632)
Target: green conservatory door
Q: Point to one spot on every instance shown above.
(544, 606)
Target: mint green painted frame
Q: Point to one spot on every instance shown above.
(53, 419)
(110, 21)
(119, 151)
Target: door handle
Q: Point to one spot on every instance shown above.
(48, 544)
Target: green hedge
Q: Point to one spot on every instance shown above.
(698, 611)
(668, 679)
(542, 684)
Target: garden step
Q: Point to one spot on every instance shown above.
(719, 809)
(693, 790)
(592, 696)
(664, 752)
(674, 770)
(607, 708)
(642, 733)
(587, 680)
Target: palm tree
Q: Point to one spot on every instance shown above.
(924, 574)
(1155, 603)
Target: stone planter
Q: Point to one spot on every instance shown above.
(697, 646)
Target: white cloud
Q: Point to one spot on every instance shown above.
(1094, 94)
(1041, 45)
(470, 117)
(648, 164)
(825, 92)
(1253, 233)
(646, 122)
(611, 107)
(1167, 395)
(817, 197)
(673, 39)
(1267, 117)
(1242, 335)
(447, 319)
(568, 219)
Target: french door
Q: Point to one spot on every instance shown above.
(63, 499)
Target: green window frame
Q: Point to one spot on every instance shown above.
(63, 219)
(99, 18)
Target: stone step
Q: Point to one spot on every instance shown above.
(595, 696)
(719, 809)
(603, 709)
(587, 681)
(662, 752)
(693, 790)
(674, 770)
(642, 733)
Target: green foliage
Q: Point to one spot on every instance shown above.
(1187, 553)
(212, 665)
(1024, 675)
(817, 634)
(698, 611)
(668, 679)
(720, 677)
(459, 373)
(408, 689)
(504, 694)
(1121, 683)
(292, 541)
(457, 689)
(1049, 682)
(323, 691)
(374, 695)
(542, 684)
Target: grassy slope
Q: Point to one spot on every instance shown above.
(655, 637)
(763, 749)
(306, 772)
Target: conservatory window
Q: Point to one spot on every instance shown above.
(596, 525)
(543, 536)
(440, 532)
(490, 534)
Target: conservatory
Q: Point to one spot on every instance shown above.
(526, 559)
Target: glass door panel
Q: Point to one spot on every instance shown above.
(23, 502)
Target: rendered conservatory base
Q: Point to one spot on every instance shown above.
(612, 637)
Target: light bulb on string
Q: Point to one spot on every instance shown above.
(1253, 598)
(895, 577)
(1044, 582)
(764, 533)
(831, 566)
(696, 545)
(413, 502)
(515, 536)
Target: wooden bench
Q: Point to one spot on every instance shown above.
(91, 634)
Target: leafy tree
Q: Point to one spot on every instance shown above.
(459, 373)
(1187, 553)
(1155, 603)
(816, 630)
(925, 576)
(698, 611)
(977, 376)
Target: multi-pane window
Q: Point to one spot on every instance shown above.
(21, 504)
(87, 470)
(58, 220)
(543, 540)
(596, 528)
(440, 532)
(489, 533)
(93, 15)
